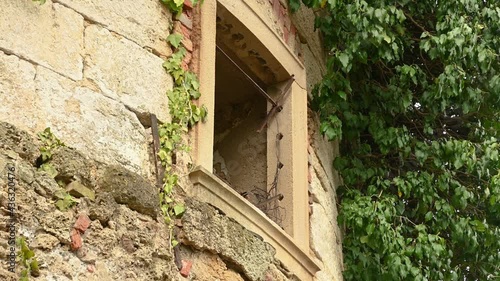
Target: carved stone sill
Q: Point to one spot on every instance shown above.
(210, 189)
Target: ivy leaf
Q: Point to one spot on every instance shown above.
(344, 59)
(294, 5)
(179, 210)
(174, 39)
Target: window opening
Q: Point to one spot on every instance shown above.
(240, 141)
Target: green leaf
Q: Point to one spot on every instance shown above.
(179, 209)
(174, 39)
(363, 239)
(294, 5)
(49, 169)
(344, 59)
(174, 243)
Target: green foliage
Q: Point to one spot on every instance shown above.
(64, 200)
(49, 143)
(27, 259)
(177, 5)
(184, 114)
(40, 1)
(174, 39)
(412, 91)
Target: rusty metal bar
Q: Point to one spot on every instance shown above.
(264, 93)
(278, 107)
(156, 150)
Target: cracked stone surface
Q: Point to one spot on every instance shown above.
(34, 97)
(205, 228)
(145, 22)
(126, 72)
(101, 254)
(50, 35)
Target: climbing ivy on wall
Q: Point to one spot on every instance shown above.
(412, 90)
(184, 114)
(177, 5)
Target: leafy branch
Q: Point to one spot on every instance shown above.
(28, 260)
(184, 114)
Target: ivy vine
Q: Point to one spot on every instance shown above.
(176, 5)
(27, 259)
(184, 114)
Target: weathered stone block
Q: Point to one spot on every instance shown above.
(126, 72)
(103, 208)
(130, 189)
(72, 165)
(82, 118)
(50, 35)
(45, 241)
(205, 228)
(45, 185)
(19, 141)
(146, 22)
(79, 190)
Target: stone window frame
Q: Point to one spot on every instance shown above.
(292, 246)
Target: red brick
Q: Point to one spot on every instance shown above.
(76, 240)
(187, 58)
(82, 223)
(187, 43)
(186, 20)
(186, 268)
(181, 29)
(188, 4)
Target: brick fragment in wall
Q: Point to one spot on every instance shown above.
(186, 268)
(187, 59)
(181, 29)
(187, 43)
(76, 240)
(188, 4)
(186, 20)
(82, 223)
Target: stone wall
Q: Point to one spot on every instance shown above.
(92, 71)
